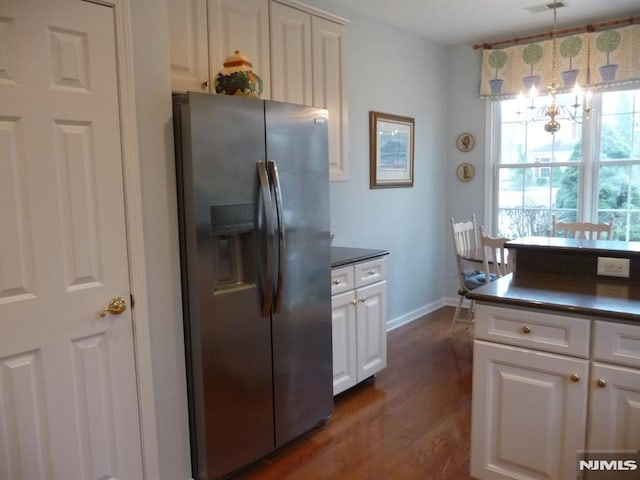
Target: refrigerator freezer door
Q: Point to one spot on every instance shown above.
(223, 250)
(302, 361)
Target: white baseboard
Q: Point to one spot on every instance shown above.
(420, 312)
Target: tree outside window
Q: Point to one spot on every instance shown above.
(540, 174)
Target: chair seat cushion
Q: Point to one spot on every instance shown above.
(477, 279)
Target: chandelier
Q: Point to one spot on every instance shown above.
(551, 112)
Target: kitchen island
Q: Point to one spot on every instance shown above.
(556, 360)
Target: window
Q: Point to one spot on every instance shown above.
(587, 171)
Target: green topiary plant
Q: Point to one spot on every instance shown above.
(570, 47)
(608, 41)
(497, 59)
(532, 54)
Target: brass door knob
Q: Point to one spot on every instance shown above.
(336, 281)
(601, 382)
(526, 329)
(116, 306)
(204, 84)
(575, 377)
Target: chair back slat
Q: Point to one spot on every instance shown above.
(465, 238)
(494, 256)
(582, 230)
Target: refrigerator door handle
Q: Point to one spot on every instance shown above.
(275, 181)
(267, 294)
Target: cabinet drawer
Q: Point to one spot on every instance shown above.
(370, 272)
(533, 329)
(342, 279)
(616, 343)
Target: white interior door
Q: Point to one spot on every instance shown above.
(68, 401)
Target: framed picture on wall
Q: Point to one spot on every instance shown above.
(391, 150)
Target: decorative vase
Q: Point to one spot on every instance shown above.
(238, 78)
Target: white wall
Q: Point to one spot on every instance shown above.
(393, 71)
(153, 108)
(465, 113)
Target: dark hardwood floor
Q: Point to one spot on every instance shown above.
(412, 421)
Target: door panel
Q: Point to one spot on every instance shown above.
(68, 398)
(291, 66)
(615, 408)
(371, 327)
(188, 50)
(343, 319)
(518, 390)
(229, 342)
(297, 143)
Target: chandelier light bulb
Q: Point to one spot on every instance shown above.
(552, 112)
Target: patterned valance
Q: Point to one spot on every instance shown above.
(605, 58)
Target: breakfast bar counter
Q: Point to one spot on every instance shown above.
(561, 274)
(565, 293)
(556, 359)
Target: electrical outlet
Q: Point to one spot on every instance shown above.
(613, 267)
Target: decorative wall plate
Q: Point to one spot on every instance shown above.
(465, 142)
(465, 172)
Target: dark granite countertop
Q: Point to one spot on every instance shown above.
(602, 247)
(341, 256)
(608, 298)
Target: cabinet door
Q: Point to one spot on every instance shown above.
(240, 25)
(614, 409)
(343, 318)
(188, 45)
(329, 88)
(290, 55)
(371, 327)
(529, 416)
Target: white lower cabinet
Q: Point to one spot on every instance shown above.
(614, 408)
(359, 306)
(547, 385)
(529, 411)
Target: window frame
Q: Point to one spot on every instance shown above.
(589, 166)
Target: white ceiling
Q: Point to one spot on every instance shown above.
(452, 22)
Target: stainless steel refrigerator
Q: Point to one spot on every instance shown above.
(253, 197)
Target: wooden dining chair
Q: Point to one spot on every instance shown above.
(465, 238)
(494, 255)
(584, 230)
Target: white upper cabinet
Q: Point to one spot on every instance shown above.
(291, 55)
(330, 90)
(240, 25)
(297, 50)
(188, 49)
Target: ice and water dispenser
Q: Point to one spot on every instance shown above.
(233, 246)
